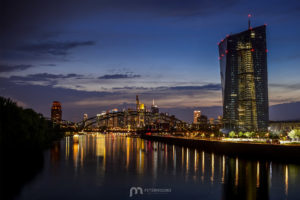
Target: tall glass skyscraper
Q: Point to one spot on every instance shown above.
(244, 78)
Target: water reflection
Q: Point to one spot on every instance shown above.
(286, 174)
(106, 160)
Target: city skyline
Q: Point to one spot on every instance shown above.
(92, 61)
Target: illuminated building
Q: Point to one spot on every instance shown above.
(142, 107)
(220, 120)
(197, 114)
(154, 108)
(85, 116)
(243, 64)
(137, 103)
(56, 112)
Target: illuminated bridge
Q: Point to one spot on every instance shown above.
(132, 120)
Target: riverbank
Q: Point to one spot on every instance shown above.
(282, 153)
(24, 135)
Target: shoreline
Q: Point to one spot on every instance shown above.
(273, 152)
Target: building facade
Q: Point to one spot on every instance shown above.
(244, 79)
(197, 114)
(56, 112)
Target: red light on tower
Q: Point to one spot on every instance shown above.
(226, 51)
(267, 51)
(252, 50)
(222, 55)
(249, 26)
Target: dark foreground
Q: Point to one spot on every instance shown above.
(107, 167)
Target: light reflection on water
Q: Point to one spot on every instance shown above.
(107, 166)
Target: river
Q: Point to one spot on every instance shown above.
(114, 167)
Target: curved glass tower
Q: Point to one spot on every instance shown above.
(244, 78)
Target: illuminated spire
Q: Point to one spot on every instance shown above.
(249, 25)
(153, 102)
(137, 103)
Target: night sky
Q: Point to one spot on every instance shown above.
(97, 55)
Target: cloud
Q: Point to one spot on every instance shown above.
(292, 87)
(119, 76)
(55, 48)
(48, 65)
(10, 68)
(42, 78)
(203, 87)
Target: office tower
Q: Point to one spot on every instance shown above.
(56, 112)
(197, 114)
(243, 64)
(154, 108)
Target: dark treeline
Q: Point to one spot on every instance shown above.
(24, 135)
(24, 127)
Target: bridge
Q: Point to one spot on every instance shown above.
(132, 120)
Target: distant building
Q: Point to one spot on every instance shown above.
(56, 112)
(85, 116)
(202, 120)
(197, 114)
(220, 120)
(137, 103)
(154, 108)
(211, 120)
(243, 63)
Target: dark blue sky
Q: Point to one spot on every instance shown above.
(96, 55)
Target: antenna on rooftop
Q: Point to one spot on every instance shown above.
(249, 25)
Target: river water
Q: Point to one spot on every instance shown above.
(110, 167)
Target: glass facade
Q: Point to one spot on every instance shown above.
(244, 79)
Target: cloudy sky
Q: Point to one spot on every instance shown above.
(94, 55)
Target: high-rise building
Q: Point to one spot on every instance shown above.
(137, 103)
(244, 78)
(56, 112)
(154, 108)
(197, 114)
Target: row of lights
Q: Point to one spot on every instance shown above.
(226, 52)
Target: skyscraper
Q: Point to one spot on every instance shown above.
(56, 112)
(154, 108)
(243, 64)
(197, 114)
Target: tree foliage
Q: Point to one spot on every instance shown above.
(24, 128)
(232, 134)
(294, 134)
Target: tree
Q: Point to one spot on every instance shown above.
(247, 134)
(292, 134)
(232, 134)
(297, 133)
(241, 134)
